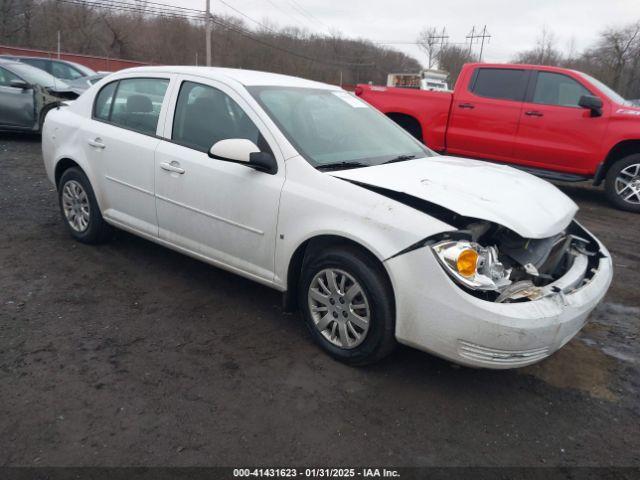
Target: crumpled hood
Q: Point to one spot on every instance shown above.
(531, 207)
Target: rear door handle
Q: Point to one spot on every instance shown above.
(534, 113)
(466, 105)
(172, 167)
(96, 143)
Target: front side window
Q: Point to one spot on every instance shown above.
(35, 75)
(6, 77)
(333, 126)
(558, 89)
(500, 83)
(133, 103)
(205, 115)
(64, 71)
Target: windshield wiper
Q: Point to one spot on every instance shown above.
(400, 158)
(341, 165)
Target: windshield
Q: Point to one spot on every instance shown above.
(334, 127)
(35, 75)
(612, 94)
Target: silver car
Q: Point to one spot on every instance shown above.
(27, 94)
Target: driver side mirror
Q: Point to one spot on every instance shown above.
(19, 84)
(593, 103)
(244, 152)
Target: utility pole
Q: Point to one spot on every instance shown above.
(208, 26)
(430, 45)
(58, 44)
(483, 36)
(471, 37)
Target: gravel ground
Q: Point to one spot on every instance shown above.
(130, 354)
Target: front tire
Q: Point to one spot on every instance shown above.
(79, 208)
(347, 304)
(622, 185)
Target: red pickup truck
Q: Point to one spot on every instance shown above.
(554, 122)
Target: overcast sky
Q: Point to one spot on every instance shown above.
(514, 25)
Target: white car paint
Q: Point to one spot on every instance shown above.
(531, 207)
(252, 223)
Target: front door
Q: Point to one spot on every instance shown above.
(120, 140)
(554, 132)
(485, 114)
(222, 211)
(17, 109)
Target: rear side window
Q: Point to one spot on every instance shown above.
(133, 104)
(500, 83)
(205, 115)
(36, 62)
(103, 103)
(558, 89)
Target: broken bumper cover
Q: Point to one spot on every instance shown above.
(435, 315)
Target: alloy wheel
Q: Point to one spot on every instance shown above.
(339, 308)
(75, 204)
(627, 184)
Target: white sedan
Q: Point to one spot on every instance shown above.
(305, 188)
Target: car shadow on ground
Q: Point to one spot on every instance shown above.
(404, 364)
(20, 136)
(585, 192)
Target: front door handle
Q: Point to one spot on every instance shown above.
(172, 167)
(534, 113)
(467, 105)
(96, 143)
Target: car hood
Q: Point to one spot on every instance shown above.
(531, 207)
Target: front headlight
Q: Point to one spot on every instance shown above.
(472, 265)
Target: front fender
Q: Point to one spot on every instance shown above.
(315, 204)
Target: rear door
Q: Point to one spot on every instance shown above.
(121, 140)
(485, 114)
(554, 132)
(17, 107)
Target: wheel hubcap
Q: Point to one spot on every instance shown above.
(75, 204)
(339, 308)
(628, 184)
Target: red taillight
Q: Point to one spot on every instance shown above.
(359, 91)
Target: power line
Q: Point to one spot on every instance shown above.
(283, 10)
(248, 17)
(306, 18)
(309, 14)
(128, 8)
(118, 5)
(248, 35)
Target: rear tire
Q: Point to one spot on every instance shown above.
(79, 208)
(622, 184)
(336, 315)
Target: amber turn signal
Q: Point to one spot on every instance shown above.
(467, 262)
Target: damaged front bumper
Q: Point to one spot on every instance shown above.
(435, 315)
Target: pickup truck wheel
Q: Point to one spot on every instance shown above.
(79, 208)
(347, 305)
(622, 185)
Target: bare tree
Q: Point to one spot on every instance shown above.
(452, 58)
(429, 42)
(618, 49)
(545, 51)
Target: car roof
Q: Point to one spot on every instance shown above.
(245, 77)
